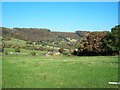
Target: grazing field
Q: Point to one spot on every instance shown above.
(26, 71)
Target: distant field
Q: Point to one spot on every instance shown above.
(16, 42)
(26, 71)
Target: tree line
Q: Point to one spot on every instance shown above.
(100, 43)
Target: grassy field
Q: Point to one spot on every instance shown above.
(16, 42)
(26, 71)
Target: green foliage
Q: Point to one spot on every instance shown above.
(6, 53)
(17, 49)
(33, 53)
(29, 42)
(7, 45)
(66, 52)
(41, 36)
(100, 43)
(13, 43)
(112, 40)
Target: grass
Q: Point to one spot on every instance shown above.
(16, 42)
(26, 52)
(26, 71)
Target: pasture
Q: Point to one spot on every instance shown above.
(26, 71)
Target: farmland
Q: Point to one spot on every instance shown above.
(59, 45)
(40, 71)
(59, 63)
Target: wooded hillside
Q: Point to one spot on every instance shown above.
(35, 34)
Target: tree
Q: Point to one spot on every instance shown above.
(92, 44)
(112, 40)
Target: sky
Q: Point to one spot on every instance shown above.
(61, 16)
(60, 0)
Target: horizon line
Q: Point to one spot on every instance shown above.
(86, 30)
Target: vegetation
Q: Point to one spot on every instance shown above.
(87, 43)
(100, 43)
(61, 50)
(26, 71)
(43, 36)
(17, 50)
(91, 44)
(33, 53)
(112, 40)
(45, 60)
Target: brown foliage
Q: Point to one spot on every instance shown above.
(93, 42)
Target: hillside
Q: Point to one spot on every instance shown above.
(44, 36)
(35, 34)
(97, 43)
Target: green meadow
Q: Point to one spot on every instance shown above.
(27, 71)
(59, 45)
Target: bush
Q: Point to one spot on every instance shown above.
(66, 53)
(61, 50)
(33, 53)
(6, 45)
(29, 42)
(17, 50)
(75, 52)
(6, 53)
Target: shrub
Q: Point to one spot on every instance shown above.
(6, 53)
(29, 42)
(74, 52)
(33, 53)
(6, 45)
(61, 50)
(17, 50)
(66, 53)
